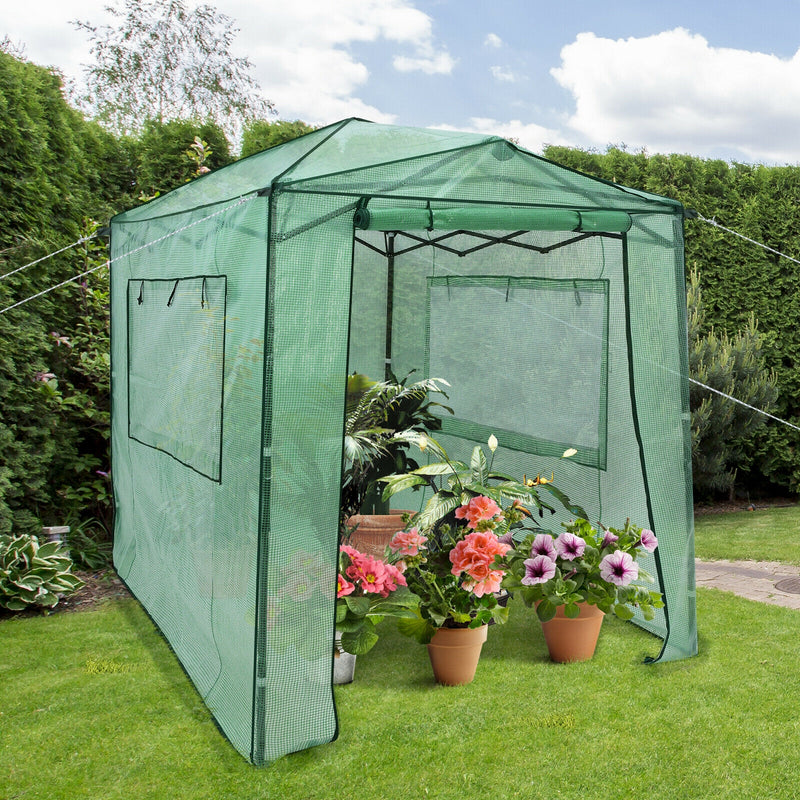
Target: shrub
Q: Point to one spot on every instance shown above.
(33, 574)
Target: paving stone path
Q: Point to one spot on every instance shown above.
(765, 581)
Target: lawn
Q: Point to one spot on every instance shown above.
(764, 535)
(94, 705)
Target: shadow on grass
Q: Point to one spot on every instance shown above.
(171, 670)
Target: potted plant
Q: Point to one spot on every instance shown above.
(34, 575)
(383, 418)
(455, 550)
(455, 576)
(368, 589)
(576, 576)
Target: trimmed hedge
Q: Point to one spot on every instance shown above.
(58, 173)
(738, 279)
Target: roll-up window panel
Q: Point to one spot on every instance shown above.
(482, 218)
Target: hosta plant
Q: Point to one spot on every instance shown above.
(33, 574)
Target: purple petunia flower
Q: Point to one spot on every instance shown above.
(649, 541)
(619, 568)
(609, 538)
(538, 570)
(506, 538)
(543, 546)
(569, 546)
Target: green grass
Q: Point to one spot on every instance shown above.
(94, 705)
(764, 535)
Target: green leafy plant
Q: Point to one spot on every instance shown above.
(461, 482)
(454, 550)
(384, 418)
(368, 589)
(89, 545)
(33, 574)
(583, 564)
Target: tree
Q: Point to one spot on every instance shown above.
(724, 432)
(162, 61)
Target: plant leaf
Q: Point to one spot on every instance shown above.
(358, 605)
(546, 610)
(478, 465)
(623, 612)
(441, 468)
(399, 483)
(359, 642)
(417, 628)
(441, 504)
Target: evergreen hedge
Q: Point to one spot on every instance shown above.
(58, 174)
(738, 279)
(56, 170)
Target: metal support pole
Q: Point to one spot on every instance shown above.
(389, 302)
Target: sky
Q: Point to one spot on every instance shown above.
(704, 77)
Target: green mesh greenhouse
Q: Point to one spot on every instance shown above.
(553, 303)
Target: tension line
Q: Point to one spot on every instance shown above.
(746, 238)
(49, 255)
(108, 263)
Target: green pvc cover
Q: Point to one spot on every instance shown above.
(553, 303)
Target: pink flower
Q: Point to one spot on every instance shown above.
(371, 575)
(608, 539)
(488, 585)
(475, 554)
(648, 540)
(543, 546)
(619, 568)
(538, 570)
(478, 509)
(408, 543)
(368, 573)
(569, 546)
(350, 551)
(344, 587)
(393, 578)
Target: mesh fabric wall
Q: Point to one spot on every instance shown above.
(232, 335)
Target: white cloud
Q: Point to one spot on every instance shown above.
(503, 74)
(492, 40)
(434, 64)
(530, 136)
(674, 92)
(302, 51)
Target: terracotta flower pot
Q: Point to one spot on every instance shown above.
(454, 654)
(374, 531)
(573, 639)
